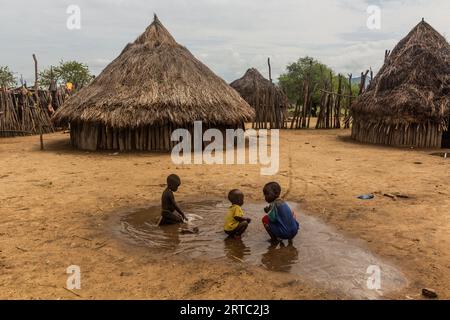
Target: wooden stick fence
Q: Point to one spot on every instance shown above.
(270, 109)
(24, 113)
(335, 105)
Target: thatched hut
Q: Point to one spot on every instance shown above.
(268, 100)
(408, 102)
(154, 87)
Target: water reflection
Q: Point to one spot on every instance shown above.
(236, 249)
(280, 257)
(170, 236)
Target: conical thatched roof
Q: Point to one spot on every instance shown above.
(413, 86)
(253, 83)
(154, 81)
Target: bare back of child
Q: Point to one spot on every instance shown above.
(171, 213)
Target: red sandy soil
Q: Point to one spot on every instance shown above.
(56, 204)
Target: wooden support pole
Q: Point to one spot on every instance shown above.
(270, 70)
(36, 94)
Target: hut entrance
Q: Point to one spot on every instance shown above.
(446, 135)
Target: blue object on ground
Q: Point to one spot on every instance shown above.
(366, 197)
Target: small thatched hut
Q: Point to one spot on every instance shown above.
(154, 87)
(408, 102)
(268, 100)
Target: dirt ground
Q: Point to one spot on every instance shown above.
(56, 205)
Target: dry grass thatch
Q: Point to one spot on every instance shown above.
(153, 82)
(413, 86)
(268, 100)
(252, 83)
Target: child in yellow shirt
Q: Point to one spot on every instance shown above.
(235, 223)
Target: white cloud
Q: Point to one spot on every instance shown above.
(228, 35)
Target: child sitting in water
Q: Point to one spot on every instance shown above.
(280, 222)
(171, 212)
(235, 223)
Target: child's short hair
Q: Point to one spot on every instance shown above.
(274, 188)
(173, 179)
(235, 195)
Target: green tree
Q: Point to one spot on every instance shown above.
(355, 89)
(7, 78)
(306, 68)
(70, 71)
(47, 75)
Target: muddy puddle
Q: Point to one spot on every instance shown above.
(319, 253)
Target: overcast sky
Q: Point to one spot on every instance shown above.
(229, 36)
